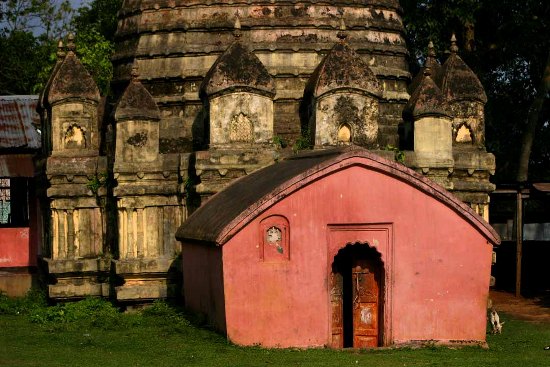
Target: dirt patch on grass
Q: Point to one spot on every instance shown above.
(536, 309)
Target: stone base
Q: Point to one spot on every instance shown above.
(148, 279)
(79, 278)
(76, 288)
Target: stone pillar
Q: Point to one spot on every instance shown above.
(149, 206)
(76, 174)
(473, 165)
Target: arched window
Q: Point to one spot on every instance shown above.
(344, 134)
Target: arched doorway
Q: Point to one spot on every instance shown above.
(357, 284)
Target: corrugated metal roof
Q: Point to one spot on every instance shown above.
(18, 122)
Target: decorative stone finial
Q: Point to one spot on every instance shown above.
(342, 34)
(70, 42)
(135, 71)
(454, 47)
(431, 49)
(60, 50)
(237, 27)
(427, 71)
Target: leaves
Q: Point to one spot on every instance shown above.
(506, 44)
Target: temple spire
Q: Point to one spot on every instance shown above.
(237, 27)
(342, 34)
(454, 47)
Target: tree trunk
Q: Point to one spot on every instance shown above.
(533, 117)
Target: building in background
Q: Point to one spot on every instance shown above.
(207, 92)
(20, 224)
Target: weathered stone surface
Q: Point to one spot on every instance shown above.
(240, 120)
(136, 103)
(342, 68)
(458, 82)
(346, 118)
(71, 80)
(433, 142)
(177, 42)
(426, 100)
(237, 69)
(224, 103)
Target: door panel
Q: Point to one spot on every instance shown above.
(336, 300)
(365, 293)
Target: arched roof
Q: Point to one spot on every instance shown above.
(238, 69)
(72, 80)
(227, 212)
(342, 68)
(426, 100)
(137, 103)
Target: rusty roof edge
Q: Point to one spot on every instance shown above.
(372, 161)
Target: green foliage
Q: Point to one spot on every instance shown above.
(47, 19)
(34, 299)
(90, 312)
(303, 142)
(95, 53)
(96, 182)
(23, 58)
(101, 15)
(279, 142)
(153, 341)
(95, 27)
(399, 155)
(506, 43)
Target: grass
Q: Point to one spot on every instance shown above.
(94, 333)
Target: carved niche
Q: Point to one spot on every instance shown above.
(241, 129)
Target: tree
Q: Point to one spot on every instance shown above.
(23, 59)
(506, 43)
(95, 26)
(47, 19)
(27, 39)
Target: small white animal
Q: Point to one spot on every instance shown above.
(496, 325)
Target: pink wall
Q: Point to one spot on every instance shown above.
(203, 264)
(437, 264)
(15, 249)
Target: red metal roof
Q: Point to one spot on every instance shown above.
(18, 122)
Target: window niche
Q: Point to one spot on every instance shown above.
(274, 239)
(344, 134)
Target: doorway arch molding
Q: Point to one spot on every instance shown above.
(378, 236)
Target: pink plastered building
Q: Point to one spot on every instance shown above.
(340, 249)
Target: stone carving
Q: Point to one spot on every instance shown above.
(463, 135)
(241, 129)
(344, 134)
(75, 137)
(138, 139)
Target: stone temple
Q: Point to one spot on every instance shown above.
(206, 92)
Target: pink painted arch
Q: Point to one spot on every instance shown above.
(345, 160)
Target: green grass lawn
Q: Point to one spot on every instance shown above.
(93, 333)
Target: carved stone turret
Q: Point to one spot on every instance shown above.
(430, 114)
(463, 94)
(344, 100)
(467, 99)
(238, 93)
(75, 173)
(176, 43)
(148, 202)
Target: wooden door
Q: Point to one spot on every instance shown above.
(336, 301)
(365, 280)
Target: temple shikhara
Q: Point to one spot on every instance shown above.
(312, 183)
